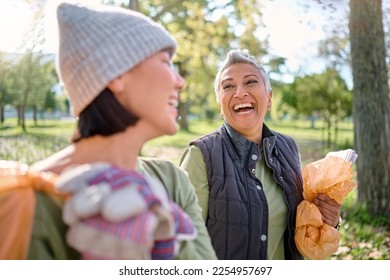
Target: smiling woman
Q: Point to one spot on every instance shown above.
(248, 177)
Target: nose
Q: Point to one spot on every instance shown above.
(241, 91)
(180, 81)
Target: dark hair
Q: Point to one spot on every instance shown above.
(104, 116)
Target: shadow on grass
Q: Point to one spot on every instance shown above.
(6, 127)
(43, 126)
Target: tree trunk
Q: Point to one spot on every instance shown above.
(336, 132)
(183, 112)
(35, 114)
(371, 105)
(183, 104)
(133, 5)
(329, 131)
(312, 121)
(2, 114)
(18, 111)
(23, 118)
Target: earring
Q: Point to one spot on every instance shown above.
(269, 108)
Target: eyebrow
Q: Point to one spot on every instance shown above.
(246, 76)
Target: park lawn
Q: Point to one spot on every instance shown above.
(38, 142)
(51, 135)
(362, 236)
(310, 141)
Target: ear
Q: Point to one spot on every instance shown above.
(116, 85)
(117, 88)
(270, 99)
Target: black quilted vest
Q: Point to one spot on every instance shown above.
(238, 212)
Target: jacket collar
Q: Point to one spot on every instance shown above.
(242, 145)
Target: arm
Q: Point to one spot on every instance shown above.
(182, 192)
(192, 162)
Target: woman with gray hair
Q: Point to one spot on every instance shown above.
(248, 177)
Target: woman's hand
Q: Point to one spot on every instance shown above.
(329, 209)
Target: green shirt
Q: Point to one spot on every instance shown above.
(192, 161)
(48, 233)
(182, 192)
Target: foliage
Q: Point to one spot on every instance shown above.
(336, 48)
(28, 75)
(5, 96)
(324, 95)
(30, 81)
(205, 30)
(363, 237)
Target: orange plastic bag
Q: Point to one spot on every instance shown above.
(17, 206)
(331, 175)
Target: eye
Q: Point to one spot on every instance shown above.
(227, 86)
(167, 61)
(165, 58)
(251, 82)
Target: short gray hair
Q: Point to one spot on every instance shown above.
(240, 56)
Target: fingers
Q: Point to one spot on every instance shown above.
(329, 209)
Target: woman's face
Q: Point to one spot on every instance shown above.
(243, 98)
(151, 92)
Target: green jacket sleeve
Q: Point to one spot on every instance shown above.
(192, 162)
(182, 192)
(48, 232)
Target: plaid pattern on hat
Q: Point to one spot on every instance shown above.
(99, 43)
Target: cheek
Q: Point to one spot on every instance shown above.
(222, 103)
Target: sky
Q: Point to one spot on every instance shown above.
(293, 27)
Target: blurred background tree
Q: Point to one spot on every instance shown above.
(371, 106)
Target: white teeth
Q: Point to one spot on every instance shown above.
(243, 105)
(173, 103)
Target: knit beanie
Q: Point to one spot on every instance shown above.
(99, 43)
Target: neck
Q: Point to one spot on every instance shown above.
(121, 150)
(254, 135)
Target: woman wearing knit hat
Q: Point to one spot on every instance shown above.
(116, 67)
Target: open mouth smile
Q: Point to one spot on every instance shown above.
(243, 108)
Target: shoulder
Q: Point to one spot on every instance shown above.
(173, 178)
(156, 167)
(209, 137)
(192, 151)
(284, 139)
(56, 162)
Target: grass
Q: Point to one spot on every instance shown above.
(362, 236)
(37, 143)
(310, 141)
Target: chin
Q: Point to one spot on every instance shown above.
(169, 128)
(172, 131)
